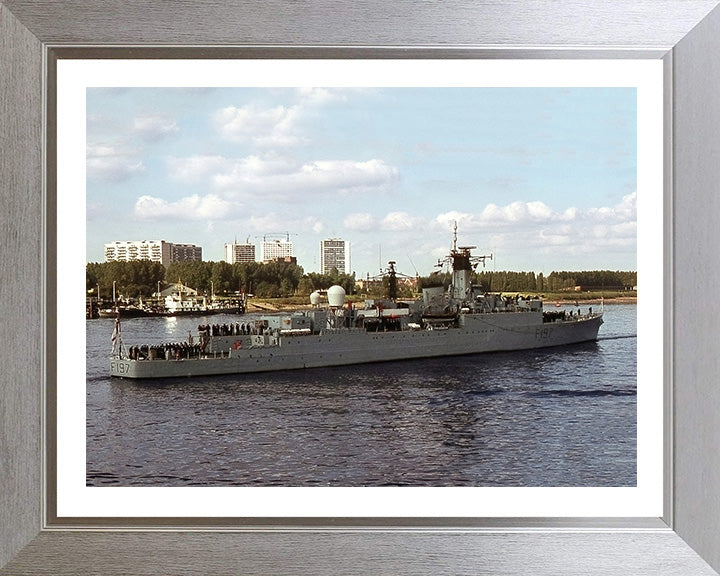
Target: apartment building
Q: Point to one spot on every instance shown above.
(277, 250)
(235, 252)
(334, 253)
(153, 250)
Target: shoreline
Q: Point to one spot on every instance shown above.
(260, 307)
(594, 301)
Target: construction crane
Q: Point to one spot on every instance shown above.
(286, 235)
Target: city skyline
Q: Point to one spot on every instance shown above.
(543, 178)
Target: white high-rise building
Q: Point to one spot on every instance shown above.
(235, 252)
(153, 250)
(276, 249)
(334, 253)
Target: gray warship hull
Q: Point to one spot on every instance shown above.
(464, 320)
(473, 333)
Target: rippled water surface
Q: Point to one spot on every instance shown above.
(556, 417)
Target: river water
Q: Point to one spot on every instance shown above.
(554, 417)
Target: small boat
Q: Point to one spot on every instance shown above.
(179, 301)
(125, 311)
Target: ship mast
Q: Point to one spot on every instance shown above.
(463, 265)
(392, 281)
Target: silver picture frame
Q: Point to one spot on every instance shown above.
(684, 34)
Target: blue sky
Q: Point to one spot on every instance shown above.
(544, 178)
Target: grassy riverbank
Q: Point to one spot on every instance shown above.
(624, 297)
(568, 298)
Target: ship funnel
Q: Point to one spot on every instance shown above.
(336, 296)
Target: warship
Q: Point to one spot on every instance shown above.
(464, 319)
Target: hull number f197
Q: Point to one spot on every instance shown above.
(119, 368)
(543, 333)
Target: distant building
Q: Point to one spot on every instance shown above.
(235, 252)
(276, 249)
(185, 253)
(333, 254)
(154, 250)
(178, 290)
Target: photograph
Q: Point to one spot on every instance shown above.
(322, 286)
(360, 288)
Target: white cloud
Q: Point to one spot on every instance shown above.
(399, 221)
(518, 212)
(261, 126)
(345, 176)
(614, 234)
(538, 213)
(466, 221)
(112, 164)
(626, 209)
(283, 178)
(360, 221)
(277, 126)
(519, 226)
(315, 225)
(195, 168)
(194, 207)
(569, 214)
(154, 128)
(254, 172)
(562, 236)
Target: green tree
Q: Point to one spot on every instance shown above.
(305, 286)
(195, 275)
(222, 277)
(130, 279)
(244, 276)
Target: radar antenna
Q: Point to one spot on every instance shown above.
(393, 279)
(461, 263)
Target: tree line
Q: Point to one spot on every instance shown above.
(506, 281)
(594, 279)
(141, 278)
